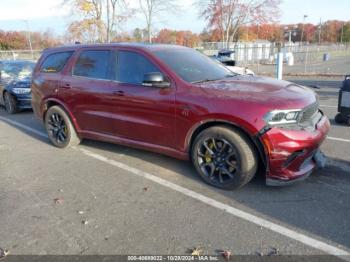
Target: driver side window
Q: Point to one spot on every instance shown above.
(132, 67)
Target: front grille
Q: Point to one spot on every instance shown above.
(309, 112)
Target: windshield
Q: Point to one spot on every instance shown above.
(193, 66)
(16, 69)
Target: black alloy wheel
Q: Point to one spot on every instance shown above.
(224, 157)
(10, 103)
(59, 128)
(218, 160)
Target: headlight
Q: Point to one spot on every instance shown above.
(282, 117)
(21, 91)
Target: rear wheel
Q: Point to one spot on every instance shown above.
(60, 129)
(339, 118)
(224, 157)
(10, 103)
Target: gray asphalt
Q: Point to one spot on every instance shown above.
(127, 214)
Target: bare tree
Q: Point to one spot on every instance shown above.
(229, 15)
(117, 12)
(102, 15)
(152, 8)
(84, 31)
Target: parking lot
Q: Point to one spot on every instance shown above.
(101, 198)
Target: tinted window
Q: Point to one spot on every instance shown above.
(93, 64)
(55, 62)
(132, 67)
(192, 66)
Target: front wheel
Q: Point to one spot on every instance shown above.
(10, 103)
(224, 157)
(60, 129)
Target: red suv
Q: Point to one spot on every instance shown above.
(175, 101)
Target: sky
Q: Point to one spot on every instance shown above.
(40, 15)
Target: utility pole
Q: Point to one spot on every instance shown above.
(302, 29)
(108, 22)
(319, 31)
(29, 38)
(342, 32)
(288, 33)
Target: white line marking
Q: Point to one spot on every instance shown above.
(24, 127)
(328, 106)
(338, 139)
(309, 241)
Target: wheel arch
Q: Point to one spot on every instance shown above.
(5, 90)
(255, 140)
(55, 102)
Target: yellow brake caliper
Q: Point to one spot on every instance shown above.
(208, 158)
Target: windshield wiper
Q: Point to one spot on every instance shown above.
(204, 81)
(210, 80)
(230, 75)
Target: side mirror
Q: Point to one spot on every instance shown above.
(155, 79)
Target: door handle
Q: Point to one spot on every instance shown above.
(66, 86)
(119, 93)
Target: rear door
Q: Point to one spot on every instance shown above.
(47, 77)
(144, 113)
(87, 91)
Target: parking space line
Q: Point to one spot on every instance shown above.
(328, 106)
(338, 139)
(41, 134)
(308, 241)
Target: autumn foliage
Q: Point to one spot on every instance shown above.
(19, 40)
(101, 21)
(185, 38)
(228, 16)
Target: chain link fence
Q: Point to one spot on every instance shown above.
(20, 54)
(299, 59)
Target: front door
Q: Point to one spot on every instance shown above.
(145, 114)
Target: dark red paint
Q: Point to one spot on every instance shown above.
(165, 120)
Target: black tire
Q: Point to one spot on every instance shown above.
(60, 129)
(339, 118)
(233, 153)
(10, 103)
(348, 121)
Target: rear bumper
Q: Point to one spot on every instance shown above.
(291, 152)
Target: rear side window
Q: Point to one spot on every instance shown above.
(55, 62)
(132, 67)
(93, 64)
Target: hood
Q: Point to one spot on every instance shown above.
(277, 94)
(22, 82)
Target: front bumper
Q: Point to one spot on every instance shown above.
(24, 101)
(291, 152)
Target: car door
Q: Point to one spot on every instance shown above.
(144, 113)
(87, 91)
(1, 85)
(47, 76)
